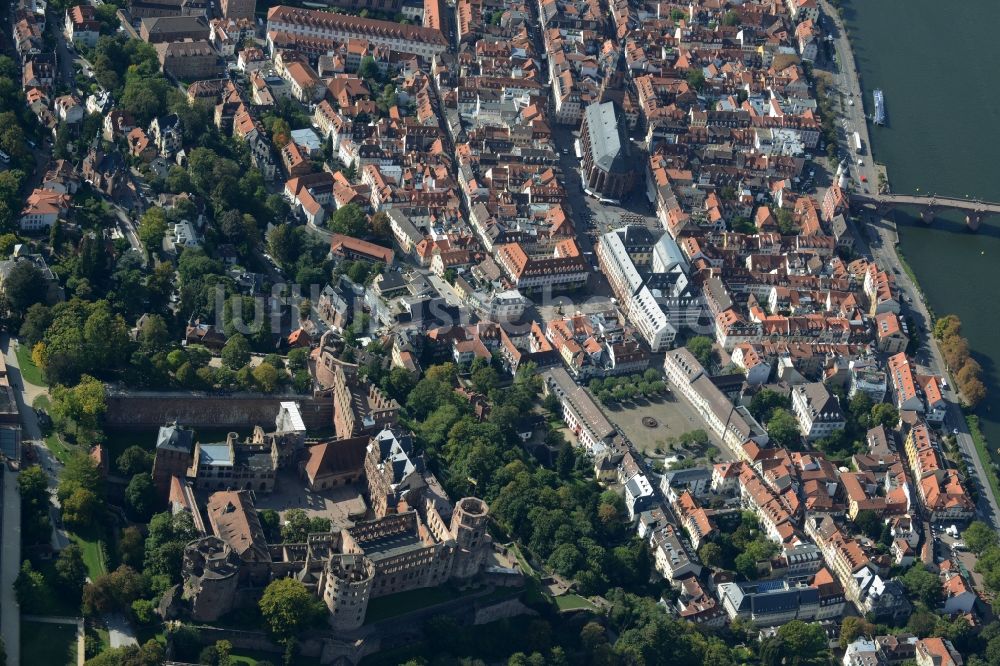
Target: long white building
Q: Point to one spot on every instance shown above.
(341, 27)
(636, 300)
(731, 423)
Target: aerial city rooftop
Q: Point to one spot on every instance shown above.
(353, 331)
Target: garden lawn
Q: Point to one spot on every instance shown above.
(572, 602)
(30, 372)
(92, 556)
(406, 602)
(251, 658)
(48, 644)
(58, 448)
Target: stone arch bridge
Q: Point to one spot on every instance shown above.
(975, 211)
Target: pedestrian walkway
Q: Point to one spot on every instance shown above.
(120, 632)
(10, 563)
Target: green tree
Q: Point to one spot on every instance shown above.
(266, 376)
(107, 339)
(33, 485)
(24, 286)
(152, 229)
(783, 428)
(149, 653)
(270, 521)
(134, 460)
(80, 508)
(696, 79)
(37, 320)
(797, 642)
(144, 611)
(978, 536)
(144, 98)
(296, 527)
(853, 628)
(284, 243)
(141, 495)
(114, 591)
(130, 547)
(80, 409)
(867, 522)
(786, 222)
(236, 352)
(71, 570)
(80, 471)
(884, 414)
(701, 347)
(387, 99)
(168, 534)
(710, 555)
(288, 607)
(153, 334)
(298, 359)
(565, 456)
(278, 208)
(485, 379)
(922, 584)
(764, 402)
(369, 71)
(381, 225)
(7, 243)
(349, 220)
(30, 588)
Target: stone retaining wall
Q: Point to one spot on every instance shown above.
(241, 412)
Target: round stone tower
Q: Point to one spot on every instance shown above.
(347, 590)
(468, 529)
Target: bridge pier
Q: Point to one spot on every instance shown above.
(974, 219)
(974, 210)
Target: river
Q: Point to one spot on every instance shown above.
(943, 108)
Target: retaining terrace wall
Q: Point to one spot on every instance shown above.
(241, 411)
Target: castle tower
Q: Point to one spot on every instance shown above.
(172, 456)
(347, 590)
(211, 578)
(468, 529)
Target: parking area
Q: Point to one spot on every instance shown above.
(343, 506)
(596, 299)
(943, 550)
(673, 417)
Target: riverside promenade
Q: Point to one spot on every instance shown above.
(852, 119)
(852, 116)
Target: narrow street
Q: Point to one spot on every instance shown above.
(127, 229)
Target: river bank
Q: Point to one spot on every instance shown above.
(938, 140)
(931, 259)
